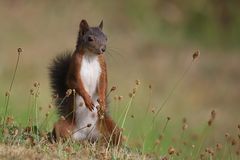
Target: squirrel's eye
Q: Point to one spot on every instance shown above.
(90, 38)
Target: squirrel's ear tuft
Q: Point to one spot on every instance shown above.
(101, 25)
(84, 27)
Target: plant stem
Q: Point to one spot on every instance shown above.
(173, 89)
(36, 112)
(10, 89)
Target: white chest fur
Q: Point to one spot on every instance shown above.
(89, 73)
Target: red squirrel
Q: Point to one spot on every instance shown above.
(84, 115)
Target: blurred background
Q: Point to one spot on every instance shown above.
(152, 41)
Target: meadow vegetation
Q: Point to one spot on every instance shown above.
(170, 103)
(152, 140)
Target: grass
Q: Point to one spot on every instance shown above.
(149, 48)
(146, 135)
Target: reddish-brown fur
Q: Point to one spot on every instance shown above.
(63, 129)
(111, 133)
(102, 86)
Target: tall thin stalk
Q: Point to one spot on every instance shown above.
(8, 93)
(36, 110)
(125, 116)
(194, 57)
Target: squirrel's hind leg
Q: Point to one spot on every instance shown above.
(62, 129)
(110, 131)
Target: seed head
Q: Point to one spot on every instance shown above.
(239, 126)
(74, 91)
(19, 50)
(15, 133)
(132, 116)
(130, 95)
(196, 54)
(113, 88)
(237, 153)
(69, 92)
(50, 106)
(164, 158)
(62, 118)
(210, 122)
(168, 118)
(213, 114)
(219, 146)
(227, 135)
(184, 120)
(98, 107)
(32, 91)
(47, 114)
(209, 150)
(134, 90)
(120, 98)
(137, 82)
(234, 142)
(36, 84)
(153, 110)
(99, 100)
(206, 150)
(150, 86)
(184, 127)
(157, 142)
(9, 120)
(7, 94)
(101, 117)
(171, 150)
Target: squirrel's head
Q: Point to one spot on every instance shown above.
(92, 38)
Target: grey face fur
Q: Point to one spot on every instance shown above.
(92, 38)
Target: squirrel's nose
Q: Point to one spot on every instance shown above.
(103, 49)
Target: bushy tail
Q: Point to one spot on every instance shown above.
(58, 73)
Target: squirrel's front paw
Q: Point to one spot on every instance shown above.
(89, 104)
